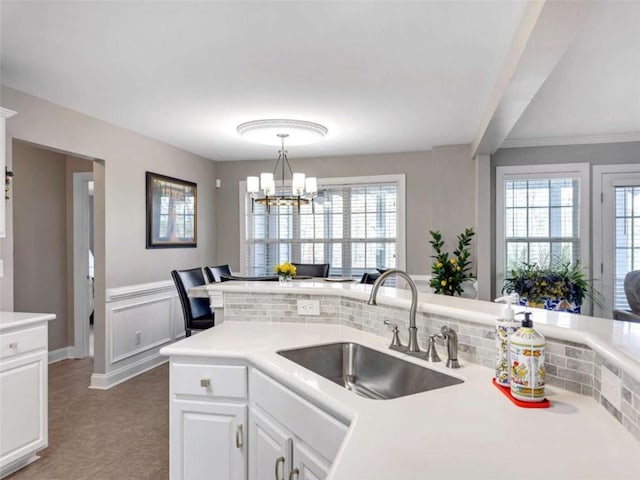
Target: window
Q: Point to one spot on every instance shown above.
(355, 225)
(541, 216)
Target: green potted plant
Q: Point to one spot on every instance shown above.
(561, 286)
(450, 272)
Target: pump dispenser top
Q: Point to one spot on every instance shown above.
(527, 322)
(507, 311)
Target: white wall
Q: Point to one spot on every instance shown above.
(122, 157)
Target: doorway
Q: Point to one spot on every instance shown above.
(616, 216)
(83, 273)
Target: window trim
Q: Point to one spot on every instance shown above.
(401, 237)
(529, 172)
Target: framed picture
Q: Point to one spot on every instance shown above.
(172, 206)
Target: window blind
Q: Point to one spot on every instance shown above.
(353, 227)
(542, 221)
(627, 240)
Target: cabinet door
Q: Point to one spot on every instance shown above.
(23, 416)
(310, 465)
(270, 448)
(208, 441)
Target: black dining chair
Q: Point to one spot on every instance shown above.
(320, 270)
(196, 311)
(214, 274)
(369, 277)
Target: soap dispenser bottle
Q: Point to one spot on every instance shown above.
(505, 327)
(527, 363)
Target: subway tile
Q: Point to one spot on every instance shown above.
(575, 376)
(579, 365)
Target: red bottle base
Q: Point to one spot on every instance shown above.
(507, 393)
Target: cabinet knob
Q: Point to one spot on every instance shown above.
(279, 460)
(205, 382)
(13, 345)
(295, 472)
(239, 437)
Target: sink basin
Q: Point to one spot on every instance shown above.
(368, 372)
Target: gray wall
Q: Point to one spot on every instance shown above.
(595, 154)
(121, 159)
(440, 194)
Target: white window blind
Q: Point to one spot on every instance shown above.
(627, 240)
(352, 226)
(542, 221)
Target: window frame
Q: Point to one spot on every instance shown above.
(579, 171)
(401, 238)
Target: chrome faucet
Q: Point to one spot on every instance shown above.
(413, 330)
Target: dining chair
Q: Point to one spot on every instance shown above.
(196, 311)
(214, 274)
(320, 270)
(632, 292)
(369, 277)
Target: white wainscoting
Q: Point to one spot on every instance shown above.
(139, 320)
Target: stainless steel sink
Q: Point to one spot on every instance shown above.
(368, 372)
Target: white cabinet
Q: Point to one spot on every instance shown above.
(287, 438)
(208, 421)
(23, 395)
(290, 437)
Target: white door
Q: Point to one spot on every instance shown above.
(309, 464)
(270, 448)
(618, 251)
(211, 441)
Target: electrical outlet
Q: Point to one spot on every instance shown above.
(611, 387)
(138, 338)
(308, 307)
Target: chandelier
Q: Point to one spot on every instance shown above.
(274, 132)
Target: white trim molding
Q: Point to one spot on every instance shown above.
(64, 353)
(575, 140)
(139, 320)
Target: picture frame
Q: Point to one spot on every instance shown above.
(172, 212)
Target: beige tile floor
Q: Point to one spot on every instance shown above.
(117, 434)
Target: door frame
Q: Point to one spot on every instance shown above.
(603, 178)
(81, 290)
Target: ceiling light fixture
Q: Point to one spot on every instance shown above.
(275, 132)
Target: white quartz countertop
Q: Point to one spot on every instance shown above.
(617, 341)
(11, 320)
(464, 431)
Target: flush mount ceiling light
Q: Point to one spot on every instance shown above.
(275, 132)
(267, 131)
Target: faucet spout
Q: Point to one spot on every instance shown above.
(413, 330)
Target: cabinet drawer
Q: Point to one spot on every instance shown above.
(23, 341)
(228, 381)
(316, 428)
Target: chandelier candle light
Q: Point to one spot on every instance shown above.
(296, 132)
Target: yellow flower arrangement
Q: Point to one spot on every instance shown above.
(285, 270)
(448, 273)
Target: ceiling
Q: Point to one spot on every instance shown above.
(381, 76)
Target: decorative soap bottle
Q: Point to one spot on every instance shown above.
(505, 327)
(527, 363)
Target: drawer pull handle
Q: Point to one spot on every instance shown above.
(295, 472)
(13, 345)
(205, 382)
(239, 437)
(279, 460)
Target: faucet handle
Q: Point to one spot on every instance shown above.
(395, 341)
(432, 353)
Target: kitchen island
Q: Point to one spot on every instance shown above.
(462, 431)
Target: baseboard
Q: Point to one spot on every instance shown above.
(104, 381)
(60, 354)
